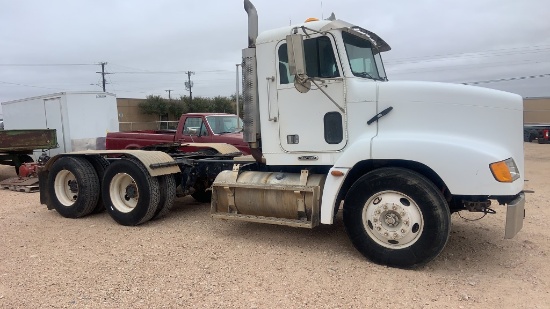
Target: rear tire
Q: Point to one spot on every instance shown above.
(167, 186)
(100, 165)
(74, 187)
(130, 195)
(397, 217)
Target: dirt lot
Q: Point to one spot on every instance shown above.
(190, 260)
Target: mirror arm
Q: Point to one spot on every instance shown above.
(304, 28)
(327, 95)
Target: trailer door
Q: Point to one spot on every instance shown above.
(54, 120)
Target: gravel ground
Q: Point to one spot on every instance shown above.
(190, 260)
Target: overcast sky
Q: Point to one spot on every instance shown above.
(437, 40)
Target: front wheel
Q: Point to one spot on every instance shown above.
(397, 217)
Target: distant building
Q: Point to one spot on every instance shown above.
(536, 110)
(131, 118)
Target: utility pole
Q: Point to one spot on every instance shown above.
(169, 91)
(237, 94)
(103, 73)
(189, 85)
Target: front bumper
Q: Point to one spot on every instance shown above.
(515, 213)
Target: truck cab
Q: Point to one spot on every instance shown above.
(329, 108)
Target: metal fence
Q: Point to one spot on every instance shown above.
(151, 125)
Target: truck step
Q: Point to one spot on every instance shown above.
(260, 219)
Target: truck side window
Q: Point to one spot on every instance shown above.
(192, 126)
(320, 60)
(284, 72)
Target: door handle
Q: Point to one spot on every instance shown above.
(269, 80)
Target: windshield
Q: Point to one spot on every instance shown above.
(364, 60)
(224, 124)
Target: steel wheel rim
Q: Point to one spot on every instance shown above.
(62, 186)
(124, 192)
(393, 219)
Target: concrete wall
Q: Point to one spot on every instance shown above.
(536, 110)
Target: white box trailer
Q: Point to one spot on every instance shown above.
(82, 119)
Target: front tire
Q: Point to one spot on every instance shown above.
(130, 195)
(397, 217)
(74, 189)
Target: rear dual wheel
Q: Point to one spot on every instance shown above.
(130, 195)
(74, 187)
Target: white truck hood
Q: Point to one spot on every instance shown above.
(428, 119)
(448, 94)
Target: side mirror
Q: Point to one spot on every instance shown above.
(295, 50)
(297, 62)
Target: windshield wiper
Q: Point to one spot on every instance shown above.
(365, 75)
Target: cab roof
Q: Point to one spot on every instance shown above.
(279, 34)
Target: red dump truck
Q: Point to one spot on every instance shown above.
(192, 128)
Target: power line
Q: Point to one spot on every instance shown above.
(25, 85)
(507, 79)
(43, 64)
(466, 66)
(495, 52)
(171, 72)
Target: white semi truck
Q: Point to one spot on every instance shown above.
(327, 131)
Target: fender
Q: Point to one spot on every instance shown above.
(157, 163)
(462, 164)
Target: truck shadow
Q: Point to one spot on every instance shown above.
(469, 243)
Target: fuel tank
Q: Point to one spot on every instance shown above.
(268, 197)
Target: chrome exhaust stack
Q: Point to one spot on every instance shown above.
(251, 104)
(252, 23)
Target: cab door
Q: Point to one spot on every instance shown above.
(311, 121)
(195, 131)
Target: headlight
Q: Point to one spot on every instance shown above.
(505, 171)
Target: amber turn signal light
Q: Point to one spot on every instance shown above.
(501, 172)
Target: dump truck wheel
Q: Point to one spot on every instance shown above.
(74, 189)
(100, 165)
(397, 217)
(130, 195)
(167, 185)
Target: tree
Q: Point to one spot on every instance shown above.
(241, 105)
(222, 105)
(154, 105)
(176, 108)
